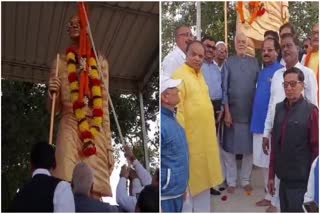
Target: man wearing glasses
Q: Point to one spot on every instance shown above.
(177, 57)
(212, 76)
(221, 54)
(289, 48)
(295, 142)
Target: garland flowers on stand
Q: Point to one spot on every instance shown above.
(87, 132)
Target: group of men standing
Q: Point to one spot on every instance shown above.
(232, 105)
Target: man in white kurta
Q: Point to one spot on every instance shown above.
(195, 114)
(289, 48)
(177, 56)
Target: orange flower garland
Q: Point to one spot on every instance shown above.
(256, 9)
(87, 132)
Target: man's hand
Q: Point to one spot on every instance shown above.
(271, 187)
(129, 154)
(265, 145)
(124, 172)
(184, 196)
(220, 115)
(227, 119)
(54, 85)
(132, 174)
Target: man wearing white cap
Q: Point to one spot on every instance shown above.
(221, 54)
(174, 150)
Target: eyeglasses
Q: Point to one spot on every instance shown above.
(185, 34)
(314, 33)
(211, 47)
(268, 50)
(292, 84)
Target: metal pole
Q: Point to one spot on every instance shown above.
(225, 24)
(144, 132)
(198, 20)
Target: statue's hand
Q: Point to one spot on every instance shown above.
(54, 84)
(284, 13)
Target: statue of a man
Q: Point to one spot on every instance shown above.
(256, 17)
(84, 129)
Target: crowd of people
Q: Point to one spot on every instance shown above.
(217, 109)
(46, 193)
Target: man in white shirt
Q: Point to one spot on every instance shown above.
(312, 193)
(177, 56)
(290, 51)
(221, 54)
(44, 193)
(126, 202)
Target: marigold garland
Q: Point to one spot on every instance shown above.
(87, 132)
(256, 9)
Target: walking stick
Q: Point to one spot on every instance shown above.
(53, 105)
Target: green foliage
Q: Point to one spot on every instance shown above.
(25, 120)
(303, 15)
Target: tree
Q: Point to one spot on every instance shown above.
(25, 120)
(303, 15)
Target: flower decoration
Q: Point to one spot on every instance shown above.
(256, 8)
(87, 131)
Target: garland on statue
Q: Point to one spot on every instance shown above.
(256, 8)
(87, 131)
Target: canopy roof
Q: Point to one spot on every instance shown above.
(127, 33)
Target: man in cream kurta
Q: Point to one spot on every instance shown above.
(195, 114)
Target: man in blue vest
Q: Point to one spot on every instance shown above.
(295, 142)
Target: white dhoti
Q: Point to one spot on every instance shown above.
(275, 200)
(198, 203)
(231, 169)
(259, 158)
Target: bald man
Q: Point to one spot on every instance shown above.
(82, 184)
(240, 76)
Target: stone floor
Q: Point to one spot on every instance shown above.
(239, 201)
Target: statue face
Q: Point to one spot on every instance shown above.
(74, 27)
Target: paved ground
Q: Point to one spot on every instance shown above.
(239, 201)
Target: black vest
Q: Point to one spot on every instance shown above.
(293, 158)
(36, 195)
